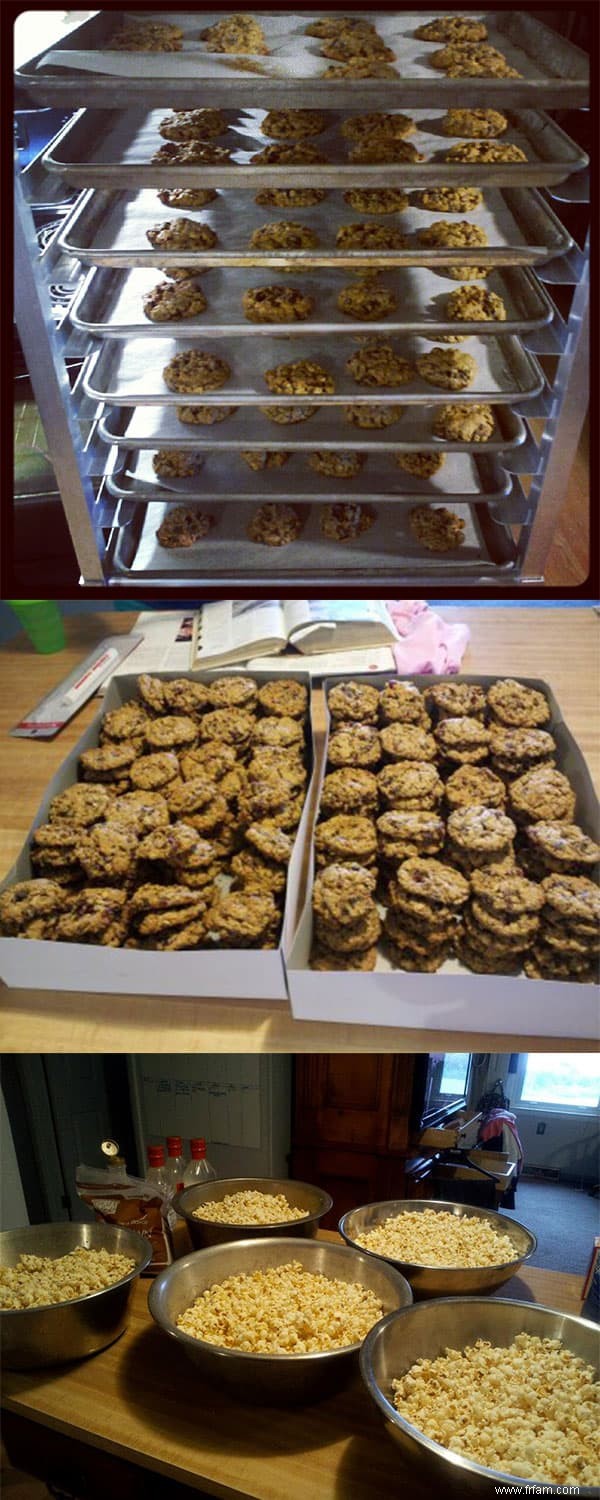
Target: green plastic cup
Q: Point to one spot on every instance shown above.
(42, 621)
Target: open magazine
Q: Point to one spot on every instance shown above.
(236, 630)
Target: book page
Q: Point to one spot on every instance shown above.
(238, 625)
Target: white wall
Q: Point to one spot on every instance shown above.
(13, 1211)
(569, 1144)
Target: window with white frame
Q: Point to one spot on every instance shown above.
(565, 1082)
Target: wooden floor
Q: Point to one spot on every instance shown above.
(568, 561)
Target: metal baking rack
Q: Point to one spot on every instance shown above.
(103, 432)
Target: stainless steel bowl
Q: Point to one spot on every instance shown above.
(443, 1281)
(269, 1378)
(32, 1336)
(298, 1194)
(423, 1332)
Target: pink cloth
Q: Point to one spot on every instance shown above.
(429, 644)
(499, 1121)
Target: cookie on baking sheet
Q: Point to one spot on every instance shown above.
(365, 68)
(264, 458)
(376, 200)
(275, 525)
(447, 368)
(383, 147)
(472, 60)
(165, 302)
(288, 416)
(346, 523)
(372, 418)
(195, 370)
(464, 423)
(238, 33)
(183, 527)
(292, 124)
(471, 304)
(422, 464)
(437, 528)
(452, 29)
(370, 235)
(193, 125)
(476, 124)
(276, 304)
(453, 200)
(376, 363)
(490, 152)
(302, 377)
(299, 154)
(368, 302)
(446, 232)
(336, 463)
(289, 197)
(192, 154)
(175, 463)
(204, 416)
(146, 38)
(187, 197)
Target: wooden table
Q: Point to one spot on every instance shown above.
(559, 645)
(140, 1413)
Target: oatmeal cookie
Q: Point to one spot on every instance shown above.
(423, 464)
(542, 795)
(463, 739)
(244, 919)
(395, 125)
(327, 26)
(436, 528)
(151, 773)
(376, 200)
(303, 377)
(280, 732)
(30, 908)
(517, 750)
(174, 463)
(124, 723)
(204, 416)
(476, 124)
(107, 853)
(423, 960)
(381, 147)
(467, 273)
(472, 60)
(292, 124)
(377, 363)
(263, 458)
(474, 784)
(238, 33)
(462, 423)
(108, 762)
(562, 847)
(445, 232)
(290, 197)
(364, 933)
(353, 703)
(297, 155)
(275, 525)
(370, 235)
(271, 842)
(145, 39)
(346, 837)
(94, 915)
(172, 845)
(402, 703)
(235, 691)
(192, 154)
(356, 44)
(140, 811)
(574, 898)
(199, 803)
(451, 200)
(232, 726)
(172, 732)
(167, 302)
(483, 834)
(284, 697)
(342, 893)
(485, 151)
(181, 274)
(354, 745)
(193, 125)
(452, 29)
(337, 464)
(81, 804)
(286, 416)
(253, 872)
(407, 742)
(372, 418)
(323, 960)
(368, 302)
(276, 304)
(183, 527)
(517, 706)
(410, 786)
(431, 881)
(454, 700)
(187, 197)
(350, 790)
(212, 757)
(345, 523)
(401, 835)
(195, 370)
(475, 304)
(372, 68)
(283, 234)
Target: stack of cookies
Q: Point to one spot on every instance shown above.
(180, 830)
(569, 937)
(452, 807)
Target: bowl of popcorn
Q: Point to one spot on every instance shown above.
(244, 1208)
(275, 1320)
(65, 1290)
(443, 1249)
(481, 1393)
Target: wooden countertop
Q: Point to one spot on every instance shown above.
(559, 645)
(142, 1401)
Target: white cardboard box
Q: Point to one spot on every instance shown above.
(241, 973)
(453, 999)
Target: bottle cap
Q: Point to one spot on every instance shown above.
(174, 1145)
(156, 1156)
(198, 1148)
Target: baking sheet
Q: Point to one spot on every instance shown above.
(109, 229)
(554, 72)
(129, 373)
(453, 997)
(109, 304)
(250, 974)
(134, 550)
(116, 151)
(159, 427)
(226, 477)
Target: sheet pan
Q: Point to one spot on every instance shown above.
(134, 551)
(109, 229)
(226, 477)
(123, 373)
(109, 304)
(115, 150)
(159, 427)
(554, 72)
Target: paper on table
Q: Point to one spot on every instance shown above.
(166, 644)
(326, 663)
